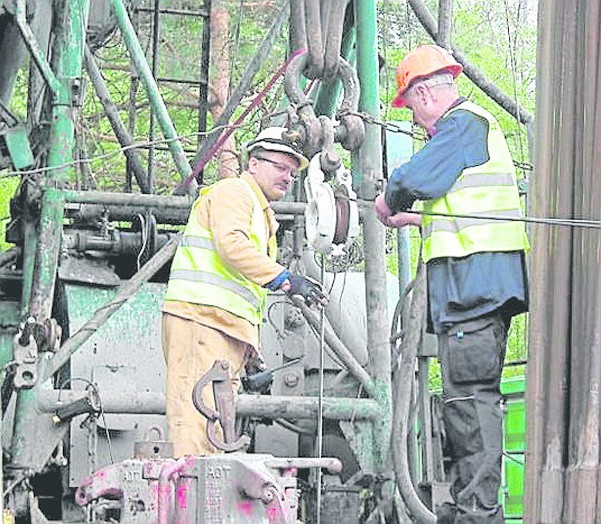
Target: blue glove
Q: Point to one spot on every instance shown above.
(310, 290)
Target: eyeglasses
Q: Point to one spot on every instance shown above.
(283, 168)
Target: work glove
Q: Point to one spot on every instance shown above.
(255, 364)
(310, 290)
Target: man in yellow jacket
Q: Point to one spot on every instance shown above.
(221, 274)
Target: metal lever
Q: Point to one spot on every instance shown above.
(260, 381)
(223, 393)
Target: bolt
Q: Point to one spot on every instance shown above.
(291, 379)
(268, 495)
(225, 364)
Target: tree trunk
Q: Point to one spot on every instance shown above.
(220, 66)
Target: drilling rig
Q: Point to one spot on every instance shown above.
(348, 430)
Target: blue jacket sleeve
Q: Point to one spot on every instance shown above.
(460, 141)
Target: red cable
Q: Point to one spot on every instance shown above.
(226, 134)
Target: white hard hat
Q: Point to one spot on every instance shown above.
(273, 139)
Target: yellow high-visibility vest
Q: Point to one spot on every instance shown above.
(488, 189)
(198, 275)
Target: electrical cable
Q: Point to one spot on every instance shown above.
(117, 151)
(96, 392)
(281, 335)
(568, 222)
(416, 134)
(551, 221)
(144, 234)
(278, 333)
(322, 344)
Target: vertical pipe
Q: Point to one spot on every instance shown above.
(68, 48)
(39, 75)
(157, 103)
(399, 149)
(156, 32)
(60, 155)
(203, 89)
(131, 110)
(370, 179)
(30, 242)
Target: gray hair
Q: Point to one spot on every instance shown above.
(439, 79)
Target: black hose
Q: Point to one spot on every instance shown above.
(402, 383)
(333, 38)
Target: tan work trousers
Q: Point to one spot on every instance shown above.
(190, 350)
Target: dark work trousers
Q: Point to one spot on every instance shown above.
(471, 355)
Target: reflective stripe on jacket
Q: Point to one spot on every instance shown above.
(487, 189)
(199, 276)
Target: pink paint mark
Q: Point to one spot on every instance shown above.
(272, 513)
(245, 508)
(182, 492)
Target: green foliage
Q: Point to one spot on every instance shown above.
(8, 187)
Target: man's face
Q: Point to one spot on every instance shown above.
(425, 109)
(274, 172)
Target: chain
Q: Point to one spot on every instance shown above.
(395, 128)
(389, 126)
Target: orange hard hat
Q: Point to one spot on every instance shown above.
(423, 62)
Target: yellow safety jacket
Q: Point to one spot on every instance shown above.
(199, 276)
(487, 189)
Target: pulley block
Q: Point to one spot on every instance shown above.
(332, 215)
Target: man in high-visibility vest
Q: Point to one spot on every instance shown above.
(476, 274)
(221, 274)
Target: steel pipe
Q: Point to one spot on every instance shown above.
(338, 347)
(124, 402)
(333, 465)
(369, 173)
(160, 202)
(271, 407)
(334, 408)
(34, 48)
(112, 113)
(91, 205)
